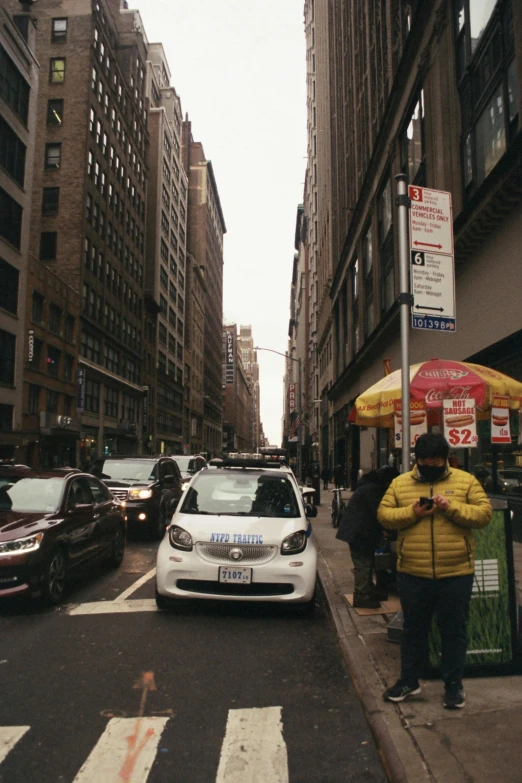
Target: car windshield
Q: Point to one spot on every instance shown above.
(127, 470)
(32, 494)
(241, 494)
(186, 464)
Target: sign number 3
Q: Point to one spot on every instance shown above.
(415, 194)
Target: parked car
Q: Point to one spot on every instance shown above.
(51, 522)
(150, 487)
(240, 533)
(189, 465)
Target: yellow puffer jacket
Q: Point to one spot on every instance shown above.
(442, 544)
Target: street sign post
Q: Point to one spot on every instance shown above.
(431, 260)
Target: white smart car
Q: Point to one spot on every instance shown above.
(240, 532)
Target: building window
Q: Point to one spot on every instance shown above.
(52, 401)
(53, 361)
(90, 347)
(50, 199)
(6, 418)
(57, 70)
(37, 308)
(55, 318)
(92, 396)
(110, 402)
(11, 219)
(487, 86)
(9, 287)
(34, 399)
(384, 211)
(55, 112)
(12, 152)
(69, 367)
(13, 87)
(367, 266)
(59, 31)
(413, 150)
(53, 156)
(7, 357)
(48, 245)
(69, 328)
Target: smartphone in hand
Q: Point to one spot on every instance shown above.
(428, 502)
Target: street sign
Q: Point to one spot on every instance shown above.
(431, 260)
(431, 220)
(433, 290)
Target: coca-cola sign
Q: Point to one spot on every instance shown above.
(435, 396)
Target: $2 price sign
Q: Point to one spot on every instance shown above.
(461, 437)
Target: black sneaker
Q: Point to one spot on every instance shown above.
(366, 603)
(400, 691)
(454, 697)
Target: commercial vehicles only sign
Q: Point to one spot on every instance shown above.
(432, 267)
(431, 220)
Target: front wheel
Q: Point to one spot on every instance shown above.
(117, 549)
(55, 577)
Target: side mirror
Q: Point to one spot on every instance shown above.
(311, 511)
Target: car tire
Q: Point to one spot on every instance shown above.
(117, 551)
(163, 603)
(55, 577)
(160, 524)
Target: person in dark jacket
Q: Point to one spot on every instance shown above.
(361, 530)
(338, 475)
(325, 476)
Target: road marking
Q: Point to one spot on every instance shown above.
(109, 759)
(132, 589)
(253, 749)
(113, 607)
(9, 736)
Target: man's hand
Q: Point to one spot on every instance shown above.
(421, 511)
(441, 502)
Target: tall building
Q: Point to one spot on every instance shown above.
(165, 300)
(245, 342)
(205, 230)
(89, 202)
(431, 91)
(238, 411)
(194, 362)
(19, 77)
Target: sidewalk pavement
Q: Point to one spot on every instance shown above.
(419, 741)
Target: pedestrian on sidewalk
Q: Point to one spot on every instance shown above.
(361, 530)
(338, 476)
(435, 562)
(325, 476)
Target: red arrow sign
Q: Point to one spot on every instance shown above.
(427, 244)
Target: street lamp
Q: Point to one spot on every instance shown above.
(299, 411)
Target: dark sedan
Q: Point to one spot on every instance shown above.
(51, 522)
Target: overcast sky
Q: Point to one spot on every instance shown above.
(239, 67)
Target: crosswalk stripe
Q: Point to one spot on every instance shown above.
(125, 751)
(9, 736)
(253, 749)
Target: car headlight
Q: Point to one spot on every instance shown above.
(294, 543)
(180, 538)
(21, 545)
(140, 494)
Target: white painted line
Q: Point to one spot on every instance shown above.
(124, 753)
(253, 749)
(9, 736)
(112, 607)
(132, 589)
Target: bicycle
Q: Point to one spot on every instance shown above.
(338, 505)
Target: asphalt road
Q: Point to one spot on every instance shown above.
(221, 692)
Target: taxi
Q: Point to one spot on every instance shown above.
(241, 531)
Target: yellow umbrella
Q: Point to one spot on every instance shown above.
(432, 382)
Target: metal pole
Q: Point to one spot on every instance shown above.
(299, 430)
(405, 304)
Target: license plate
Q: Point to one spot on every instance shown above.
(240, 576)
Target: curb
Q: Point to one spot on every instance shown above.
(385, 745)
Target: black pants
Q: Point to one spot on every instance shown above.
(449, 600)
(325, 483)
(363, 568)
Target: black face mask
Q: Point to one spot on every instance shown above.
(431, 473)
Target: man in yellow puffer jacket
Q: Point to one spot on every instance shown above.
(435, 562)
